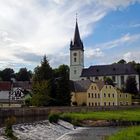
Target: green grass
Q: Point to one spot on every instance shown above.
(122, 115)
(131, 133)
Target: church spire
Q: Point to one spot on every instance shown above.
(77, 43)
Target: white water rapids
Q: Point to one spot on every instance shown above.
(43, 130)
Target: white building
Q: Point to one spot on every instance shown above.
(117, 72)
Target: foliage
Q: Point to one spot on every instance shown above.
(23, 75)
(28, 102)
(8, 130)
(53, 118)
(122, 61)
(7, 74)
(131, 133)
(43, 72)
(131, 86)
(62, 85)
(124, 115)
(40, 94)
(109, 81)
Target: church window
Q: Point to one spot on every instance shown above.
(74, 59)
(75, 54)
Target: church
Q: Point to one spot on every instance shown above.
(117, 72)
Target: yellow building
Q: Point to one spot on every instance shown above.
(97, 93)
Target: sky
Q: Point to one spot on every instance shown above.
(29, 29)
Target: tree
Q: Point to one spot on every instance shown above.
(43, 72)
(7, 74)
(122, 61)
(109, 81)
(24, 75)
(131, 85)
(41, 94)
(63, 96)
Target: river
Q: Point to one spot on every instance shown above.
(43, 130)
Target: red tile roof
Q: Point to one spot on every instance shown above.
(5, 85)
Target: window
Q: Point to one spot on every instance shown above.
(106, 86)
(95, 95)
(104, 95)
(113, 103)
(96, 78)
(98, 95)
(74, 71)
(109, 95)
(113, 95)
(113, 78)
(91, 87)
(95, 88)
(120, 95)
(89, 104)
(110, 86)
(92, 95)
(126, 103)
(122, 80)
(92, 104)
(104, 103)
(74, 54)
(98, 103)
(95, 104)
(88, 95)
(109, 103)
(74, 59)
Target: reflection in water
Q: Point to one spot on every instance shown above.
(93, 133)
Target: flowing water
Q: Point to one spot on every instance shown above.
(43, 130)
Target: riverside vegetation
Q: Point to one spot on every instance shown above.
(130, 133)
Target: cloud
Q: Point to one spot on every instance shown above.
(30, 29)
(132, 56)
(127, 38)
(93, 53)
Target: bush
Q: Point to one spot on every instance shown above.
(8, 130)
(53, 118)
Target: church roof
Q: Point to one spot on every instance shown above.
(76, 43)
(106, 70)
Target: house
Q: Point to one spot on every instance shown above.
(86, 92)
(13, 94)
(117, 72)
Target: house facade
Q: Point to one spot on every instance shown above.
(117, 72)
(98, 94)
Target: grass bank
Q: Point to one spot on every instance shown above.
(122, 115)
(131, 133)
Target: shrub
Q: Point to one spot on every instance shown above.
(8, 130)
(53, 118)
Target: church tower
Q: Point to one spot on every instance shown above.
(76, 56)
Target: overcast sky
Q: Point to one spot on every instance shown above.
(110, 30)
